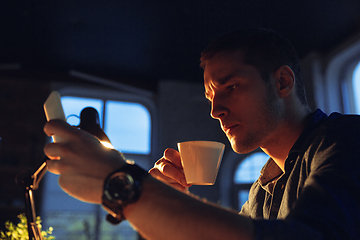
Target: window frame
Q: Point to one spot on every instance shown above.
(339, 66)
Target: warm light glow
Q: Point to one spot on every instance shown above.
(107, 144)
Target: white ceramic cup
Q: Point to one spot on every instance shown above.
(201, 161)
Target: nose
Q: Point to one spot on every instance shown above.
(218, 108)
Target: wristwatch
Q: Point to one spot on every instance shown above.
(121, 188)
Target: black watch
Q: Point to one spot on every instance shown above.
(121, 188)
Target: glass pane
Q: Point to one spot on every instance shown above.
(128, 126)
(248, 170)
(356, 84)
(123, 231)
(73, 106)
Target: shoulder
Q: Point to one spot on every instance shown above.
(335, 140)
(340, 128)
(338, 118)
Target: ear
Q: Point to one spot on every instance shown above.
(285, 80)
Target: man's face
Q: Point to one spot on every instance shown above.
(248, 110)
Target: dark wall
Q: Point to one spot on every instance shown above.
(21, 129)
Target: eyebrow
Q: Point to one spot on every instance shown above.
(224, 80)
(220, 82)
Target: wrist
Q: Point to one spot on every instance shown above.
(121, 188)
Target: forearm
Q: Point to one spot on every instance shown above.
(165, 213)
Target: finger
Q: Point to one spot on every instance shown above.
(52, 151)
(179, 187)
(159, 176)
(169, 181)
(59, 128)
(53, 166)
(169, 170)
(173, 156)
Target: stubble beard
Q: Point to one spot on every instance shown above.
(269, 117)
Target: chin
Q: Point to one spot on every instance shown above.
(242, 148)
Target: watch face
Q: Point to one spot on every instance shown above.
(120, 187)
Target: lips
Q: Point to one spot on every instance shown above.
(227, 128)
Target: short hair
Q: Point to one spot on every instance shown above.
(262, 48)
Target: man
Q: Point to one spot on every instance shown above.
(308, 189)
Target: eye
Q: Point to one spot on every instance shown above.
(231, 87)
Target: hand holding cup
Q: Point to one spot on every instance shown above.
(169, 170)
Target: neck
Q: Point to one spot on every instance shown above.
(281, 142)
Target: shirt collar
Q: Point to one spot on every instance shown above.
(269, 172)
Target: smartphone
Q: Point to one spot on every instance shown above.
(54, 110)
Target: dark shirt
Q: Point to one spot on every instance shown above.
(318, 195)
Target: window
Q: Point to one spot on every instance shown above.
(356, 87)
(245, 175)
(334, 86)
(128, 125)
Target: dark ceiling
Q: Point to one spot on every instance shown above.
(141, 41)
